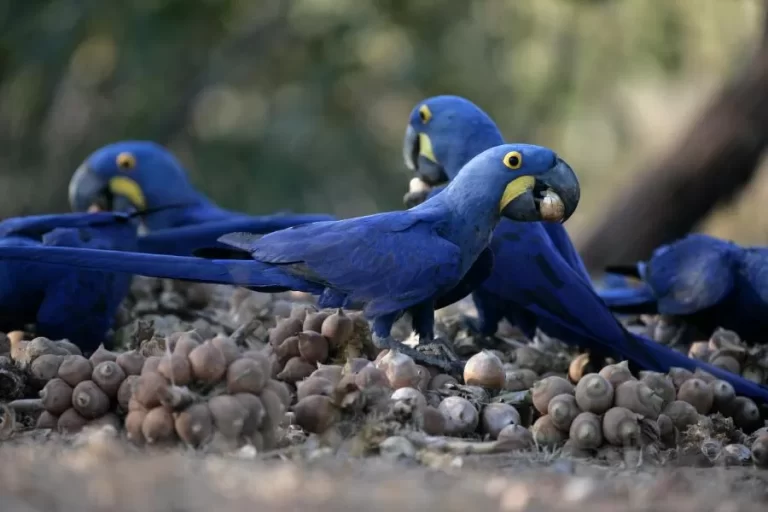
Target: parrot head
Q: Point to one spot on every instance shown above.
(531, 183)
(443, 134)
(129, 175)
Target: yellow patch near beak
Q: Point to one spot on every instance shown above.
(126, 187)
(425, 147)
(515, 188)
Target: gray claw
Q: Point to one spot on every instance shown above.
(439, 360)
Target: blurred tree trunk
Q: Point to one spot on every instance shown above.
(714, 160)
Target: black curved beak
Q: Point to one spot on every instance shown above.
(551, 197)
(419, 157)
(88, 190)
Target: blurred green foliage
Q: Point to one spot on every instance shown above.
(302, 104)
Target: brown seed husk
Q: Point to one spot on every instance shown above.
(108, 375)
(586, 431)
(110, 419)
(563, 410)
(295, 370)
(151, 364)
(697, 393)
(433, 421)
(228, 347)
(354, 365)
(125, 391)
(617, 374)
(131, 362)
(101, 354)
(682, 414)
(245, 376)
(546, 389)
(194, 425)
(313, 347)
(255, 412)
(176, 369)
(46, 367)
(158, 426)
(316, 414)
(620, 427)
(546, 434)
(185, 343)
(314, 386)
(440, 380)
(287, 349)
(70, 422)
(148, 388)
(273, 405)
(267, 364)
(208, 363)
(46, 420)
(56, 396)
(370, 376)
(636, 396)
(314, 321)
(229, 415)
(89, 400)
(759, 450)
(338, 328)
(516, 437)
(285, 328)
(75, 369)
(133, 423)
(594, 393)
(486, 370)
(280, 389)
(661, 384)
(332, 372)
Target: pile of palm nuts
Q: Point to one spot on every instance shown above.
(726, 350)
(316, 363)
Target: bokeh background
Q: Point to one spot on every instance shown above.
(301, 104)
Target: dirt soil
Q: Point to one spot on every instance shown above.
(103, 474)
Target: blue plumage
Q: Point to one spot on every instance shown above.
(532, 284)
(391, 263)
(79, 305)
(143, 175)
(707, 281)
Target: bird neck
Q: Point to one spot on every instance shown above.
(474, 213)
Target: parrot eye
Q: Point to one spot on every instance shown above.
(425, 114)
(126, 161)
(513, 160)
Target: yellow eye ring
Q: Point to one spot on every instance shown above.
(126, 161)
(425, 114)
(513, 160)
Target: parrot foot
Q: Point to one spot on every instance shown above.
(480, 340)
(439, 360)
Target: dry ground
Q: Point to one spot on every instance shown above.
(104, 475)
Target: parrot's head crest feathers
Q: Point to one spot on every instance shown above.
(531, 183)
(443, 134)
(128, 175)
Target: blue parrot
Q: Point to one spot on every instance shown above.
(531, 283)
(79, 305)
(443, 133)
(706, 281)
(391, 263)
(143, 175)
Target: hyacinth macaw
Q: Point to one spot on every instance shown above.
(706, 281)
(139, 175)
(531, 283)
(391, 263)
